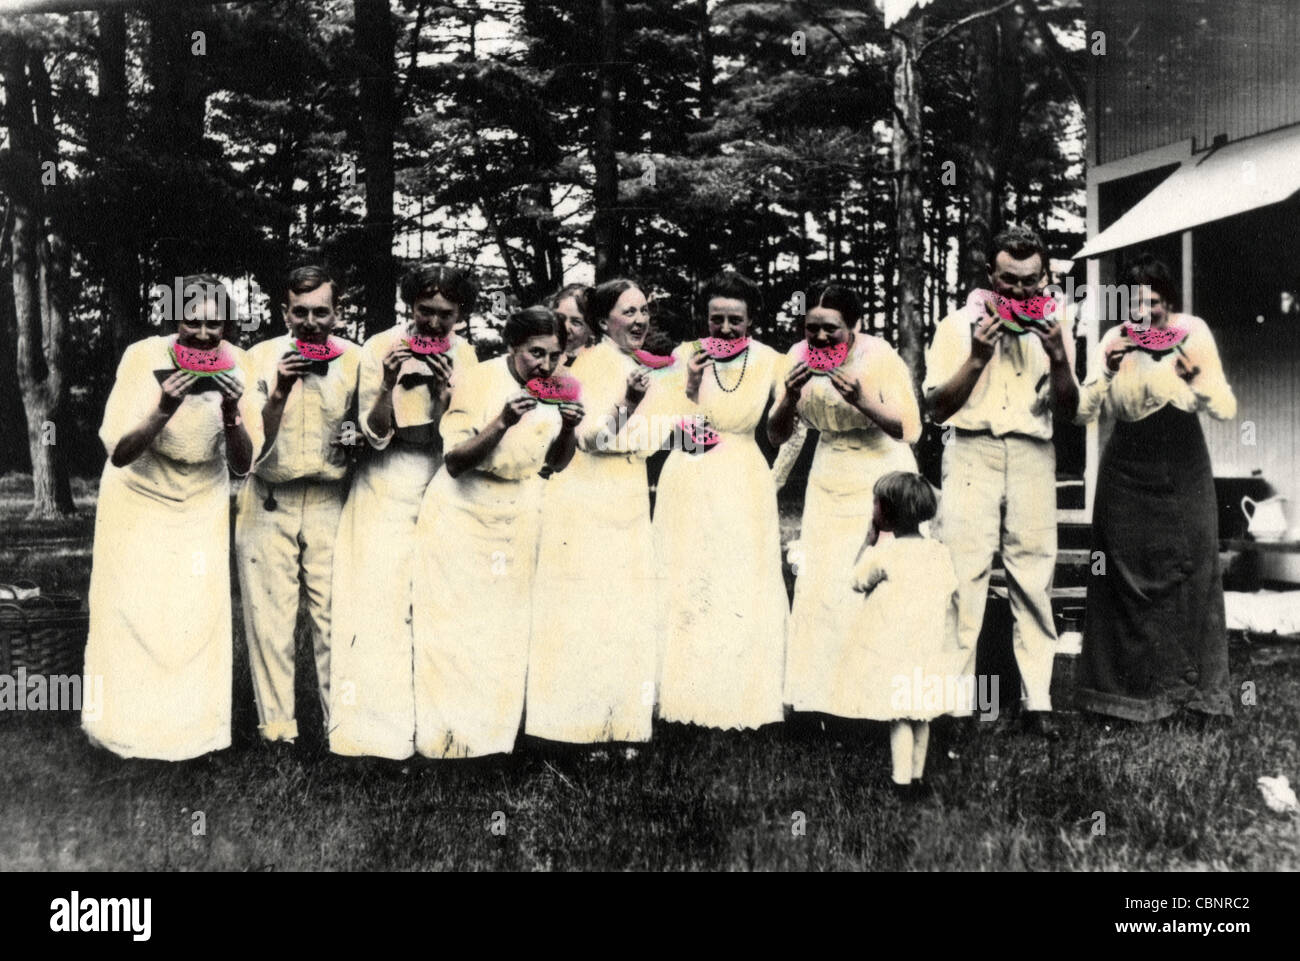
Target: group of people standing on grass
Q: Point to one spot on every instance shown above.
(491, 562)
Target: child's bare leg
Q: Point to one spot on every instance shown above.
(920, 744)
(900, 749)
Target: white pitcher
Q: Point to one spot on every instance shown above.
(1266, 519)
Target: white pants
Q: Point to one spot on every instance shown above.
(999, 494)
(274, 550)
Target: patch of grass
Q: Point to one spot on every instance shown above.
(1173, 797)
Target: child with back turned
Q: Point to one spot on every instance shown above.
(898, 663)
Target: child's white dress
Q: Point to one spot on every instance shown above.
(901, 656)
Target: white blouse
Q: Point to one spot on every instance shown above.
(1145, 383)
(480, 393)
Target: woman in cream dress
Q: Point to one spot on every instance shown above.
(1155, 641)
(160, 628)
(592, 667)
(400, 399)
(867, 415)
(725, 608)
(476, 544)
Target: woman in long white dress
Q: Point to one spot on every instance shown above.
(725, 607)
(867, 415)
(401, 399)
(160, 625)
(476, 544)
(592, 667)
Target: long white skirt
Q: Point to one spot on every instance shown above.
(836, 517)
(160, 628)
(592, 666)
(725, 608)
(475, 555)
(372, 686)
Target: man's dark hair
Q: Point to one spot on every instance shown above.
(454, 283)
(309, 277)
(733, 286)
(1019, 241)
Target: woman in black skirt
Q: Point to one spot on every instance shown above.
(1155, 640)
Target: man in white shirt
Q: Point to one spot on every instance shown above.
(287, 513)
(995, 391)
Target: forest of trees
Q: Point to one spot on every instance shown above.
(536, 141)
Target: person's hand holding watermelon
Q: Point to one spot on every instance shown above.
(516, 407)
(987, 333)
(848, 387)
(174, 389)
(232, 388)
(1116, 352)
(571, 414)
(292, 366)
(799, 375)
(1050, 333)
(396, 356)
(695, 367)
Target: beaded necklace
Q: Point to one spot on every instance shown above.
(736, 386)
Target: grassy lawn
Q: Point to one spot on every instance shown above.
(1172, 797)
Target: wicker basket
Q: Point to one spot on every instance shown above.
(44, 635)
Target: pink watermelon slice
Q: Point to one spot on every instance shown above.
(1019, 315)
(205, 363)
(557, 389)
(823, 360)
(720, 348)
(1156, 340)
(653, 361)
(697, 436)
(427, 346)
(332, 348)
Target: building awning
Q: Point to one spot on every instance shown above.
(1236, 178)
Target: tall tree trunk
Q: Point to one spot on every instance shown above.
(706, 58)
(121, 262)
(375, 39)
(606, 225)
(908, 134)
(981, 160)
(39, 270)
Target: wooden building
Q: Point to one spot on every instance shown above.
(1193, 121)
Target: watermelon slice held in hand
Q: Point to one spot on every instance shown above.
(720, 348)
(1155, 340)
(653, 361)
(822, 360)
(332, 348)
(697, 436)
(205, 363)
(427, 346)
(557, 389)
(1019, 315)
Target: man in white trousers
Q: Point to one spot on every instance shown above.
(995, 390)
(287, 513)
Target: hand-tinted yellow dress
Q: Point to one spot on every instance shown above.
(592, 667)
(852, 453)
(899, 657)
(725, 607)
(372, 688)
(160, 628)
(475, 556)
